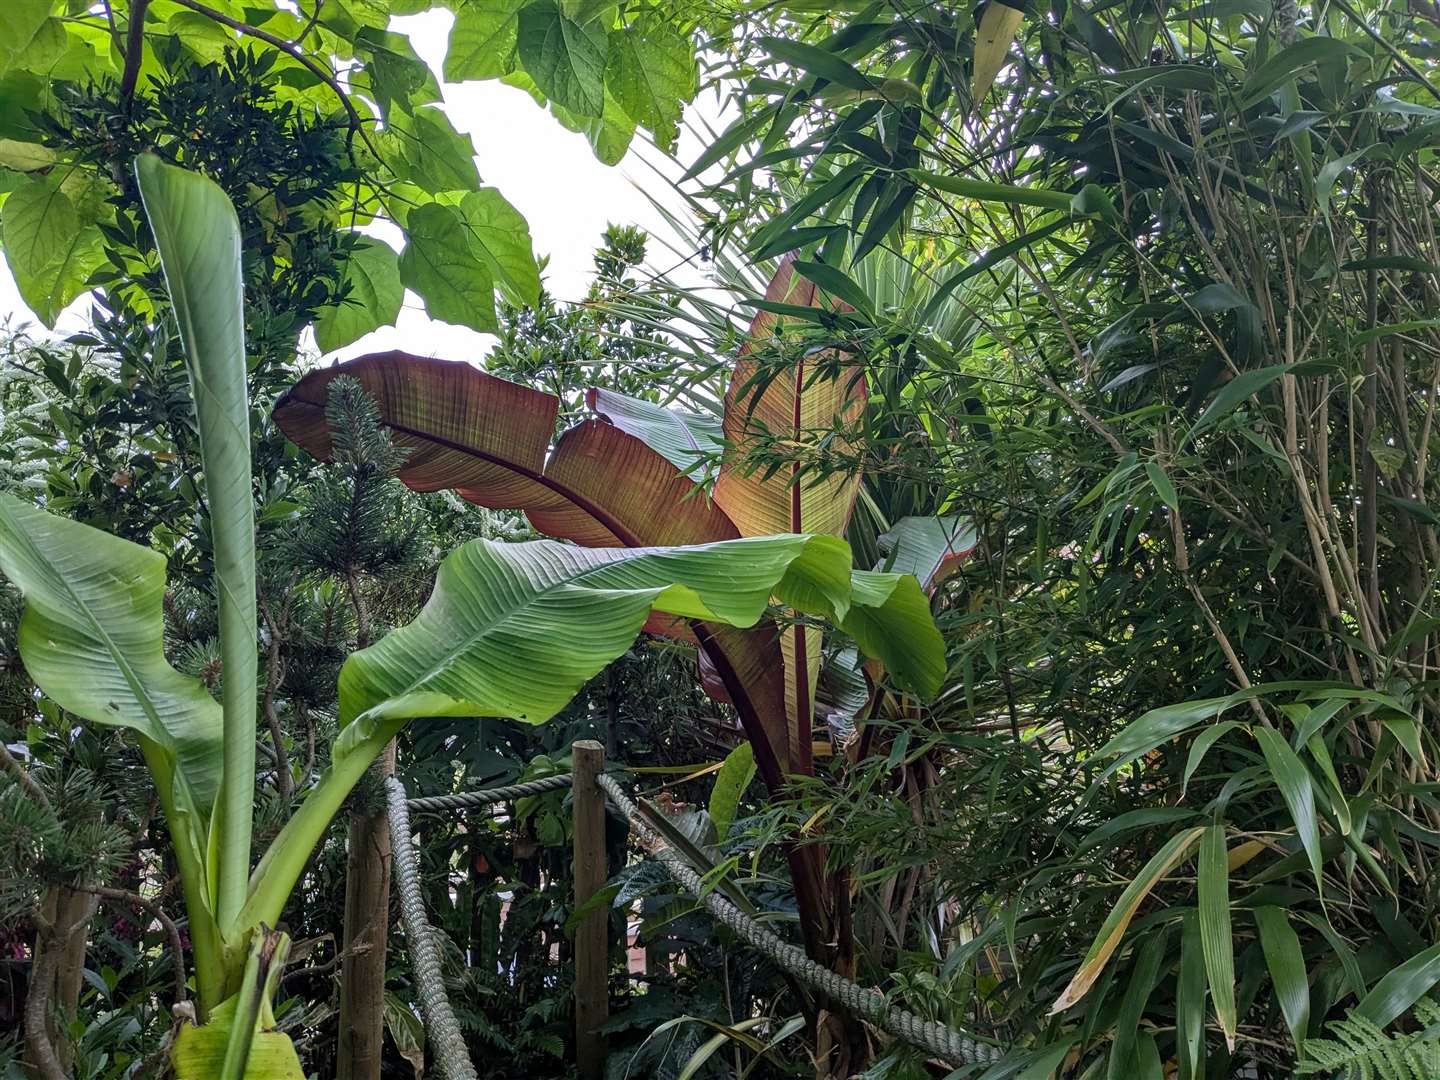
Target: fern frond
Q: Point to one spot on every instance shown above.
(1360, 1050)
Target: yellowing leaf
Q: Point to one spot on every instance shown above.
(997, 30)
(1113, 929)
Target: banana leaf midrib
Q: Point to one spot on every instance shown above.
(619, 531)
(121, 663)
(521, 601)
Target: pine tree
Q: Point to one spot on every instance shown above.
(359, 528)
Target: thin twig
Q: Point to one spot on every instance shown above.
(27, 782)
(172, 931)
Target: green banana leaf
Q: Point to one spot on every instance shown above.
(92, 637)
(517, 629)
(198, 236)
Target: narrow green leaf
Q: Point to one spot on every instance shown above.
(1123, 1063)
(836, 282)
(1286, 961)
(816, 61)
(1160, 725)
(1113, 928)
(1201, 746)
(1401, 987)
(1190, 1001)
(1281, 67)
(1293, 780)
(1160, 481)
(1213, 879)
(730, 784)
(1238, 389)
(992, 44)
(984, 191)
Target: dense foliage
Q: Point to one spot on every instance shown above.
(1142, 305)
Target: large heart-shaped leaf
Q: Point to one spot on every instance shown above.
(372, 273)
(565, 58)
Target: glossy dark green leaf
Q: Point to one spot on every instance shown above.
(1286, 962)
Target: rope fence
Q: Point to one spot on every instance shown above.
(452, 1059)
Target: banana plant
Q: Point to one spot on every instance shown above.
(510, 630)
(633, 477)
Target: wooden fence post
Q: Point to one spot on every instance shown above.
(592, 989)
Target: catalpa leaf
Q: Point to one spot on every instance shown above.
(565, 58)
(651, 73)
(372, 273)
(483, 39)
(441, 265)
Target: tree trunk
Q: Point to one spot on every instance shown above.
(61, 931)
(367, 922)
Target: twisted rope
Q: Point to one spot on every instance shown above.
(452, 1059)
(945, 1043)
(451, 1056)
(486, 796)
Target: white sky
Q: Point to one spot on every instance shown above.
(551, 176)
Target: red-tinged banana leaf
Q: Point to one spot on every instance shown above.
(797, 407)
(930, 548)
(601, 487)
(488, 439)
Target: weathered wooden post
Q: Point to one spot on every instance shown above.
(592, 990)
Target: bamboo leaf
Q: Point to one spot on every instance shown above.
(1401, 987)
(1286, 961)
(1113, 929)
(1213, 879)
(992, 44)
(1160, 481)
(1190, 1000)
(1238, 389)
(816, 61)
(984, 191)
(1293, 779)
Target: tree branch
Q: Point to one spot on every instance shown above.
(134, 49)
(27, 782)
(172, 931)
(357, 122)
